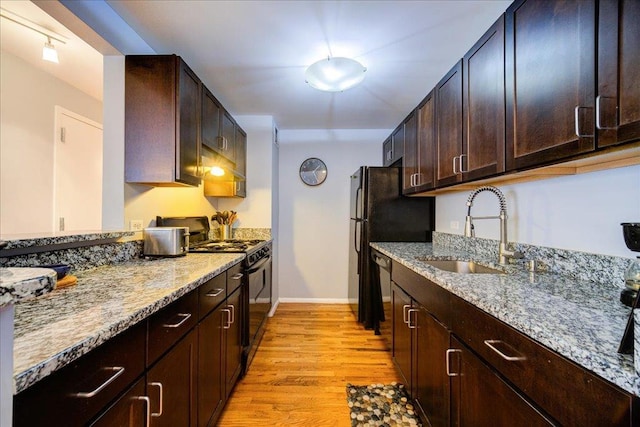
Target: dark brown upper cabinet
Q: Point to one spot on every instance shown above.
(162, 121)
(448, 128)
(618, 97)
(210, 129)
(550, 81)
(410, 153)
(484, 106)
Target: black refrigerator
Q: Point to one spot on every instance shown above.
(380, 213)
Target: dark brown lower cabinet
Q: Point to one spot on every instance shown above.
(171, 385)
(129, 410)
(401, 344)
(211, 380)
(233, 339)
(430, 380)
(479, 397)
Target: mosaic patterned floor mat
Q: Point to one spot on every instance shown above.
(381, 405)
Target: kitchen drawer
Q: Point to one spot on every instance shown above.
(429, 295)
(568, 392)
(211, 294)
(168, 325)
(234, 278)
(78, 392)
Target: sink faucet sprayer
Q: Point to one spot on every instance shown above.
(469, 230)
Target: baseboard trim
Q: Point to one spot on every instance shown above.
(315, 300)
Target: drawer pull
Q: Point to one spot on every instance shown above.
(118, 371)
(489, 343)
(159, 385)
(228, 322)
(448, 358)
(237, 276)
(411, 325)
(215, 292)
(405, 316)
(184, 316)
(147, 405)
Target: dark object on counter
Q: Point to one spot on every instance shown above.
(61, 269)
(380, 213)
(626, 345)
(631, 233)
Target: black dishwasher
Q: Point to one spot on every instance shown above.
(383, 277)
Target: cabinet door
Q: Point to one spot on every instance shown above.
(397, 138)
(171, 385)
(211, 381)
(550, 81)
(210, 126)
(426, 141)
(431, 389)
(129, 410)
(387, 152)
(233, 339)
(409, 166)
(484, 112)
(228, 133)
(479, 397)
(448, 94)
(618, 100)
(241, 161)
(401, 347)
(188, 145)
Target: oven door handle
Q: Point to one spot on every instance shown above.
(259, 265)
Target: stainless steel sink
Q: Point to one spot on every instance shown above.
(464, 267)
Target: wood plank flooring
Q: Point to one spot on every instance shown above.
(307, 356)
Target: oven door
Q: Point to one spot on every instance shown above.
(259, 279)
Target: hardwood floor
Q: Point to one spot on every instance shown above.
(307, 356)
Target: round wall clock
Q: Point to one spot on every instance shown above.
(313, 171)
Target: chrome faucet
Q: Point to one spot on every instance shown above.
(469, 230)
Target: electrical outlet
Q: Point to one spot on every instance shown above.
(135, 225)
(454, 225)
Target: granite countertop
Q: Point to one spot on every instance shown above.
(583, 321)
(17, 284)
(53, 330)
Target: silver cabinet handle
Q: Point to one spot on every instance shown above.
(448, 358)
(214, 293)
(185, 317)
(598, 118)
(233, 315)
(228, 324)
(405, 317)
(119, 370)
(411, 325)
(460, 157)
(147, 405)
(455, 172)
(159, 385)
(236, 276)
(489, 343)
(389, 154)
(577, 122)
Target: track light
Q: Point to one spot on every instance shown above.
(49, 52)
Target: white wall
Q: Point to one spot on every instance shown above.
(314, 225)
(26, 142)
(579, 212)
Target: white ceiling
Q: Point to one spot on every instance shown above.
(253, 54)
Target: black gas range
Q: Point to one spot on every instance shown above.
(257, 294)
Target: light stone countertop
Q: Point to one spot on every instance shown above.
(55, 329)
(581, 320)
(17, 283)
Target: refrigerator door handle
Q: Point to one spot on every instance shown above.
(358, 203)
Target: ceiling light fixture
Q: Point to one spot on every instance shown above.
(335, 74)
(49, 52)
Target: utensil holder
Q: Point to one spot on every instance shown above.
(225, 232)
